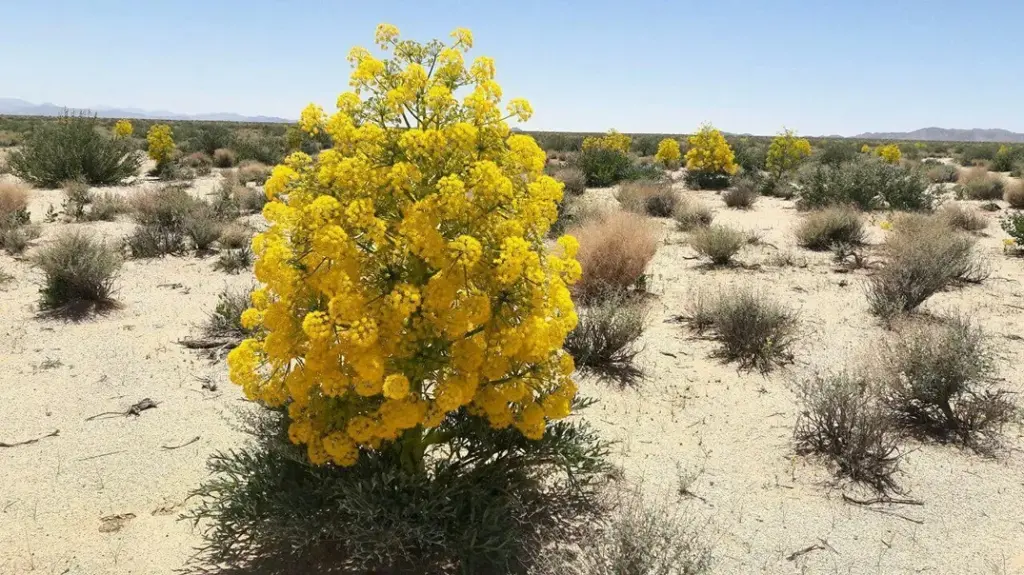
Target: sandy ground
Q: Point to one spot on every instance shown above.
(60, 498)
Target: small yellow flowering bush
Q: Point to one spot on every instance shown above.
(160, 143)
(865, 149)
(613, 140)
(785, 153)
(709, 161)
(404, 274)
(668, 152)
(123, 129)
(890, 153)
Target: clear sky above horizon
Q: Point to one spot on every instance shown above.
(820, 67)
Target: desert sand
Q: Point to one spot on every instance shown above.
(103, 495)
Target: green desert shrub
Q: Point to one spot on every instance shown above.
(71, 148)
(256, 146)
(923, 257)
(752, 329)
(605, 342)
(867, 183)
(496, 504)
(574, 179)
(1013, 224)
(692, 214)
(76, 198)
(78, 272)
(163, 215)
(841, 421)
(937, 382)
(718, 243)
(209, 138)
(962, 217)
(226, 320)
(821, 229)
(979, 184)
(836, 152)
(202, 228)
(235, 260)
(604, 167)
(646, 197)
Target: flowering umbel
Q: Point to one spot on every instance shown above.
(709, 153)
(123, 129)
(160, 143)
(613, 140)
(404, 274)
(668, 152)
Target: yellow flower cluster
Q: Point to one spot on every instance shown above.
(865, 149)
(786, 152)
(668, 152)
(404, 273)
(123, 129)
(160, 143)
(889, 153)
(709, 153)
(613, 140)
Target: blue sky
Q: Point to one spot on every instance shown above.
(820, 67)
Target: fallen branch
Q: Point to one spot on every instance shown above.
(187, 443)
(882, 500)
(53, 433)
(904, 517)
(136, 409)
(102, 455)
(206, 343)
(793, 556)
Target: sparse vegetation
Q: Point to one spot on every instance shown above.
(936, 382)
(691, 214)
(224, 158)
(942, 173)
(962, 217)
(253, 171)
(752, 329)
(605, 340)
(979, 184)
(743, 194)
(226, 320)
(78, 272)
(820, 230)
(614, 252)
(841, 421)
(718, 243)
(1013, 194)
(652, 198)
(234, 261)
(574, 179)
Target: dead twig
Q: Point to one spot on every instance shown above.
(904, 517)
(102, 455)
(793, 556)
(136, 409)
(889, 500)
(207, 343)
(53, 433)
(187, 443)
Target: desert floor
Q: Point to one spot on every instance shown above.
(103, 496)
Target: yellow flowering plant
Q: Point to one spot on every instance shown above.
(865, 149)
(668, 153)
(890, 153)
(123, 129)
(709, 161)
(613, 140)
(404, 275)
(785, 153)
(160, 143)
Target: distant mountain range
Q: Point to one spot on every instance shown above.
(15, 107)
(947, 135)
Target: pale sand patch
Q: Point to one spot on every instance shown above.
(692, 413)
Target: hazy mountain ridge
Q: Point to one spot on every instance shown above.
(948, 135)
(16, 107)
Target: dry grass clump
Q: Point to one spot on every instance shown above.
(935, 382)
(15, 239)
(234, 261)
(942, 173)
(923, 257)
(1014, 194)
(718, 243)
(962, 217)
(78, 273)
(226, 320)
(979, 184)
(224, 158)
(820, 230)
(574, 179)
(107, 206)
(615, 249)
(841, 421)
(604, 342)
(642, 539)
(742, 195)
(13, 203)
(691, 214)
(201, 227)
(253, 171)
(752, 329)
(657, 199)
(235, 236)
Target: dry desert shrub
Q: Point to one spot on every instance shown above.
(235, 236)
(253, 171)
(754, 330)
(942, 173)
(718, 243)
(199, 162)
(15, 239)
(226, 320)
(923, 257)
(201, 227)
(641, 538)
(962, 217)
(78, 273)
(1014, 194)
(234, 261)
(574, 179)
(820, 230)
(935, 380)
(13, 204)
(841, 421)
(657, 199)
(743, 194)
(615, 249)
(107, 206)
(691, 214)
(224, 158)
(604, 342)
(979, 184)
